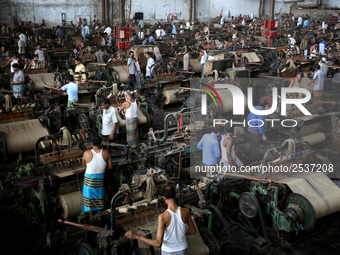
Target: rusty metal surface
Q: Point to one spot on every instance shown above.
(13, 117)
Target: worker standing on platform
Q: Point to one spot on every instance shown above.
(256, 129)
(171, 233)
(131, 117)
(80, 68)
(96, 162)
(109, 121)
(18, 80)
(71, 88)
(318, 79)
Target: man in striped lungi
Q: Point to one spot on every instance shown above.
(96, 161)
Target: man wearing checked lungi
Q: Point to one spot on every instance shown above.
(131, 119)
(96, 161)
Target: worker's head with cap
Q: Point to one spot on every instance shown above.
(15, 67)
(105, 103)
(324, 60)
(96, 141)
(289, 36)
(169, 193)
(262, 103)
(77, 61)
(217, 130)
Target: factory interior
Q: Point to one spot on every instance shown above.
(170, 127)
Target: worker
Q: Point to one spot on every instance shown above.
(141, 34)
(210, 147)
(139, 71)
(132, 71)
(172, 231)
(202, 57)
(145, 41)
(181, 27)
(243, 22)
(305, 24)
(186, 60)
(322, 46)
(323, 66)
(14, 60)
(187, 24)
(230, 47)
(71, 88)
(192, 27)
(3, 29)
(80, 70)
(314, 49)
(39, 52)
(101, 41)
(110, 127)
(256, 129)
(149, 65)
(151, 38)
(22, 44)
(197, 36)
(291, 41)
(304, 45)
(34, 63)
(299, 21)
(234, 36)
(174, 31)
(18, 80)
(131, 118)
(86, 31)
(108, 30)
(96, 162)
(99, 56)
(205, 29)
(318, 80)
(296, 82)
(141, 24)
(108, 39)
(80, 48)
(3, 54)
(221, 20)
(59, 32)
(158, 32)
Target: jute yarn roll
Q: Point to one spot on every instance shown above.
(141, 119)
(39, 80)
(321, 192)
(169, 97)
(227, 100)
(23, 135)
(72, 204)
(123, 75)
(195, 65)
(314, 138)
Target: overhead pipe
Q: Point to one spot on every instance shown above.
(103, 10)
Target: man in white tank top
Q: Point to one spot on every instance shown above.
(172, 231)
(96, 161)
(131, 118)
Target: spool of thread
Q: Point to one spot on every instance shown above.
(169, 97)
(71, 203)
(314, 138)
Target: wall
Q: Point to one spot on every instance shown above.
(50, 10)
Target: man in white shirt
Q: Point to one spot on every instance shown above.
(186, 61)
(187, 24)
(22, 44)
(202, 57)
(39, 52)
(221, 21)
(234, 36)
(291, 41)
(243, 22)
(299, 22)
(323, 66)
(22, 37)
(149, 64)
(110, 127)
(108, 30)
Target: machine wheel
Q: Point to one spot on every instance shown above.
(247, 203)
(307, 208)
(147, 125)
(217, 218)
(190, 103)
(143, 151)
(209, 240)
(336, 78)
(84, 121)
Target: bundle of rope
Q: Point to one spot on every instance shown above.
(66, 139)
(8, 102)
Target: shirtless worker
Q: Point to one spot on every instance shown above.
(171, 233)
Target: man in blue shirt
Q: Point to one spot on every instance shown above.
(229, 47)
(59, 32)
(71, 88)
(322, 47)
(255, 123)
(210, 147)
(151, 38)
(145, 40)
